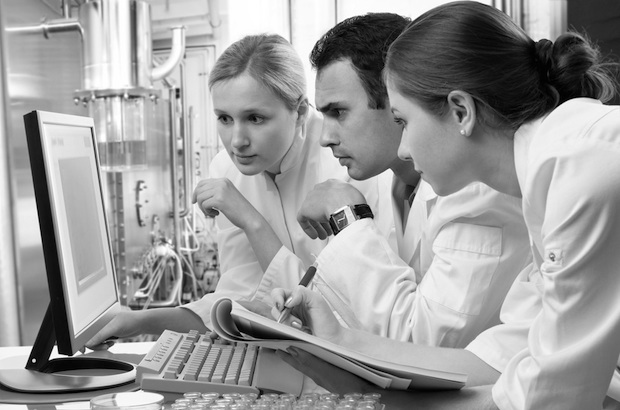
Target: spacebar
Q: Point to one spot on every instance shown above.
(183, 386)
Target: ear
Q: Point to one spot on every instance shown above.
(303, 107)
(462, 111)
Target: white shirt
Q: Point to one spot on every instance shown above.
(568, 167)
(465, 249)
(304, 165)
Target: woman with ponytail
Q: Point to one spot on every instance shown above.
(481, 101)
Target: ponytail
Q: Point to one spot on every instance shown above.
(575, 68)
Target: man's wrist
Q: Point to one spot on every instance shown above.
(346, 215)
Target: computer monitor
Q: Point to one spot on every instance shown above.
(79, 260)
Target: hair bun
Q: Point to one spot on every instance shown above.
(544, 58)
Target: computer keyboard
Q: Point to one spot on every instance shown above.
(189, 362)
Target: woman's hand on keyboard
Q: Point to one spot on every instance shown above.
(124, 324)
(308, 309)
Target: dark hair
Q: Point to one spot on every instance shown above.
(268, 58)
(476, 48)
(364, 40)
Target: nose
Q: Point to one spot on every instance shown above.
(403, 151)
(328, 135)
(239, 137)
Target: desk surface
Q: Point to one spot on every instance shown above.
(16, 357)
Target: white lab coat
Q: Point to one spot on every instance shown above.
(305, 165)
(568, 167)
(465, 249)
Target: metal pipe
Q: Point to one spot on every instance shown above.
(52, 26)
(66, 9)
(187, 147)
(215, 20)
(174, 172)
(9, 301)
(176, 55)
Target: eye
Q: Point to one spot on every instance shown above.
(224, 119)
(256, 119)
(335, 113)
(400, 121)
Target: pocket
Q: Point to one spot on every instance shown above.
(466, 258)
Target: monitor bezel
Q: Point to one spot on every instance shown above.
(68, 342)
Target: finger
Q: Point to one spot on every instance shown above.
(101, 341)
(212, 213)
(298, 324)
(288, 319)
(95, 341)
(207, 209)
(308, 228)
(279, 296)
(322, 232)
(296, 298)
(200, 187)
(275, 313)
(327, 228)
(100, 346)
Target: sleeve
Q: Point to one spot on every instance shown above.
(240, 272)
(497, 345)
(284, 271)
(476, 244)
(574, 342)
(362, 278)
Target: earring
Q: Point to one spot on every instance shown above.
(463, 132)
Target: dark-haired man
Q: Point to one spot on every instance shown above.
(442, 275)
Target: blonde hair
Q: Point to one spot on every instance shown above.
(268, 58)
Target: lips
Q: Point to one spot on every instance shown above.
(339, 156)
(244, 159)
(343, 160)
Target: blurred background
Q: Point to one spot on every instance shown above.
(140, 69)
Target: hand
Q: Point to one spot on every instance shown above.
(308, 310)
(215, 195)
(126, 323)
(321, 202)
(326, 375)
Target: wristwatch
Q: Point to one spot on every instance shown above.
(348, 214)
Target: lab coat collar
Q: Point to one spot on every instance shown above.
(297, 152)
(425, 192)
(522, 140)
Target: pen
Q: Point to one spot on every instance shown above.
(305, 281)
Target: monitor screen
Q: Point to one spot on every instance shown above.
(79, 260)
(81, 243)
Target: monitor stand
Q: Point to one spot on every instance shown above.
(67, 374)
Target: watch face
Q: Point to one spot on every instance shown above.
(340, 219)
